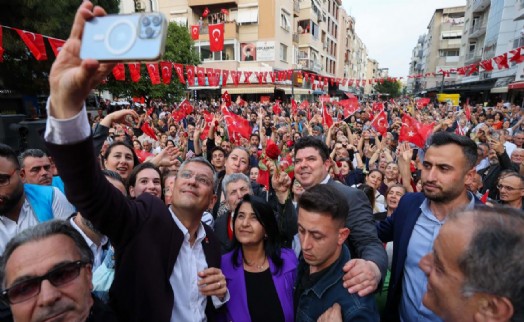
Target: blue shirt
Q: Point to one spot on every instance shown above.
(414, 282)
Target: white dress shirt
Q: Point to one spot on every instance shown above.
(98, 250)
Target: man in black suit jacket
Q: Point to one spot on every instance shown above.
(369, 260)
(151, 241)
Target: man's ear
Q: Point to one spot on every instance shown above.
(22, 174)
(213, 201)
(343, 234)
(495, 308)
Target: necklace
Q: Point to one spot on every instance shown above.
(259, 267)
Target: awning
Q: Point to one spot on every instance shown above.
(202, 87)
(516, 85)
(250, 90)
(499, 90)
(296, 91)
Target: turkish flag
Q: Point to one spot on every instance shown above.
(303, 105)
(380, 122)
(517, 57)
(378, 106)
(166, 71)
(208, 117)
(414, 131)
(178, 115)
(186, 107)
(487, 65)
(119, 72)
(227, 98)
(326, 118)
(146, 128)
(201, 76)
(225, 75)
(294, 106)
(1, 46)
(502, 61)
(236, 125)
(276, 108)
(216, 37)
(195, 32)
(190, 70)
(263, 178)
(272, 75)
(350, 106)
(240, 101)
(259, 76)
(179, 68)
(484, 197)
(236, 77)
(134, 71)
(467, 110)
(224, 11)
(205, 13)
(154, 75)
(422, 102)
(216, 76)
(246, 77)
(35, 43)
(56, 44)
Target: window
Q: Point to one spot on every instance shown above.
(284, 21)
(451, 34)
(182, 21)
(283, 52)
(447, 53)
(247, 15)
(519, 42)
(227, 54)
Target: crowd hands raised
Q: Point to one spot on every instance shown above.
(296, 222)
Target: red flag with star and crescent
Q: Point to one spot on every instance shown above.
(227, 98)
(236, 125)
(216, 37)
(56, 44)
(146, 128)
(35, 43)
(166, 71)
(195, 32)
(326, 118)
(380, 122)
(154, 75)
(208, 117)
(414, 131)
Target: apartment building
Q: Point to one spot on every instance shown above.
(416, 66)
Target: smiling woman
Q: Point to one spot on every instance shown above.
(121, 158)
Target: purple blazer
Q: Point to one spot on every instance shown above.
(236, 309)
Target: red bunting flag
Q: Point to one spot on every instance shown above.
(326, 118)
(259, 76)
(414, 131)
(380, 122)
(1, 46)
(195, 32)
(216, 77)
(179, 68)
(146, 128)
(517, 58)
(487, 65)
(119, 72)
(134, 71)
(216, 37)
(226, 98)
(236, 77)
(154, 74)
(166, 71)
(272, 75)
(247, 75)
(201, 76)
(190, 70)
(56, 44)
(225, 75)
(35, 43)
(502, 61)
(205, 13)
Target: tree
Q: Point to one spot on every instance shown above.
(390, 87)
(179, 49)
(20, 71)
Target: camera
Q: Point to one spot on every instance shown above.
(133, 37)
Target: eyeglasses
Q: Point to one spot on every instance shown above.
(508, 188)
(29, 288)
(200, 178)
(5, 179)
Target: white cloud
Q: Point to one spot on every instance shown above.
(390, 28)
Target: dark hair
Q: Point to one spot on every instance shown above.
(312, 142)
(324, 198)
(35, 153)
(469, 148)
(369, 192)
(375, 170)
(7, 152)
(217, 148)
(110, 174)
(131, 180)
(266, 217)
(492, 262)
(117, 143)
(42, 231)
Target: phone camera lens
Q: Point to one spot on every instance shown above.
(156, 20)
(146, 22)
(149, 32)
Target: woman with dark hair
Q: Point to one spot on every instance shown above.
(121, 158)
(393, 195)
(260, 274)
(145, 178)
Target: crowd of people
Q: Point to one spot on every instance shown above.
(135, 215)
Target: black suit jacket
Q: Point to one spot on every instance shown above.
(363, 239)
(145, 237)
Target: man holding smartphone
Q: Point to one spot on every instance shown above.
(167, 260)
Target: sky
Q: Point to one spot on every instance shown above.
(390, 28)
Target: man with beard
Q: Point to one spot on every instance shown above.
(449, 163)
(25, 205)
(35, 167)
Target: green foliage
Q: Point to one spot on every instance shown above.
(179, 49)
(392, 88)
(20, 71)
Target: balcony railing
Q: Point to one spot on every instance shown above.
(194, 3)
(310, 64)
(296, 8)
(295, 38)
(230, 31)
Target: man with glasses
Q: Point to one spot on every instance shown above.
(511, 189)
(25, 205)
(46, 274)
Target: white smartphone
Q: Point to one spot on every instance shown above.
(132, 37)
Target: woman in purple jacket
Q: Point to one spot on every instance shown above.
(260, 274)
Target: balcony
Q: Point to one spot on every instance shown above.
(230, 31)
(478, 30)
(296, 8)
(472, 57)
(296, 38)
(309, 39)
(196, 3)
(480, 5)
(310, 64)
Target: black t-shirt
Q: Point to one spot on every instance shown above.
(262, 297)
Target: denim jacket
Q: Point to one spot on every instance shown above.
(329, 290)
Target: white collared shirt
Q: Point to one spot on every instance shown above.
(98, 251)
